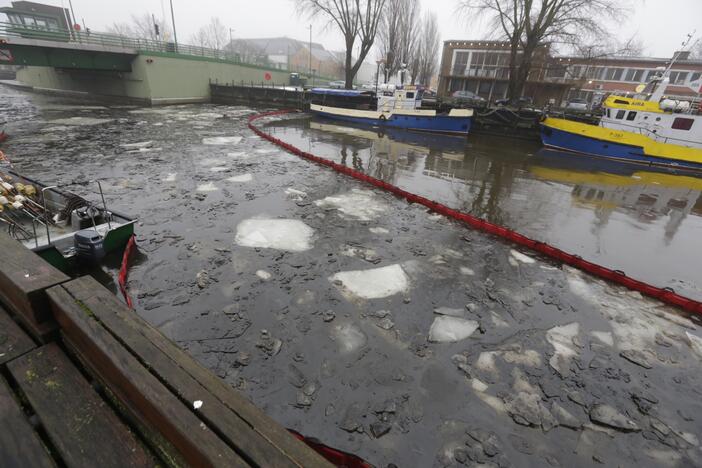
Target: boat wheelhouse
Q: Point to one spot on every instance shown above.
(398, 109)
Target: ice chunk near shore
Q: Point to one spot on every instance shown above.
(281, 234)
(375, 283)
(240, 178)
(349, 338)
(221, 140)
(603, 337)
(138, 145)
(264, 275)
(447, 329)
(521, 257)
(219, 169)
(561, 338)
(170, 177)
(378, 230)
(208, 187)
(291, 192)
(467, 271)
(695, 343)
(362, 205)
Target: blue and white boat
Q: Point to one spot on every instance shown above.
(398, 109)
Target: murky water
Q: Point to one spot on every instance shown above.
(645, 222)
(371, 324)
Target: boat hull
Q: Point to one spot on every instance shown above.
(619, 145)
(448, 124)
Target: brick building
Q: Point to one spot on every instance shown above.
(483, 68)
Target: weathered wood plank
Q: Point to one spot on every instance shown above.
(234, 430)
(19, 445)
(140, 392)
(84, 430)
(24, 277)
(13, 340)
(109, 309)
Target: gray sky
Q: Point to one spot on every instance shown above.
(660, 24)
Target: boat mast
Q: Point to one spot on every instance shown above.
(665, 77)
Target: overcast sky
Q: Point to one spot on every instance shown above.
(660, 24)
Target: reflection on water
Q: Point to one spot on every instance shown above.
(644, 221)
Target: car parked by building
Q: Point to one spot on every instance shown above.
(467, 98)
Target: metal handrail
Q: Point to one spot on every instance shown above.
(117, 40)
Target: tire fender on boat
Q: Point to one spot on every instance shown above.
(383, 118)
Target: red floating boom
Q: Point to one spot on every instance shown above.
(666, 295)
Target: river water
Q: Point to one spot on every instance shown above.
(383, 329)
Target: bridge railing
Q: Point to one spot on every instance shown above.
(110, 40)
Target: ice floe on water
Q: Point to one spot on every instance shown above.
(520, 257)
(240, 178)
(263, 274)
(137, 145)
(362, 205)
(170, 177)
(467, 271)
(219, 169)
(207, 187)
(695, 343)
(374, 283)
(281, 234)
(603, 337)
(266, 151)
(349, 337)
(378, 230)
(447, 329)
(79, 121)
(561, 338)
(221, 140)
(211, 162)
(294, 193)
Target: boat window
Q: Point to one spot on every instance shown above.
(681, 123)
(620, 114)
(410, 95)
(631, 116)
(620, 101)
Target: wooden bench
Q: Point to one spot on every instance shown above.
(181, 409)
(24, 277)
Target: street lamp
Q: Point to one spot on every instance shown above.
(175, 36)
(310, 68)
(231, 42)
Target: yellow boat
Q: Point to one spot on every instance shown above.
(653, 131)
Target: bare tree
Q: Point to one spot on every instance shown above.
(530, 24)
(356, 19)
(389, 37)
(144, 26)
(429, 44)
(397, 34)
(212, 35)
(410, 33)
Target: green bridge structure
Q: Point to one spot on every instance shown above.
(133, 70)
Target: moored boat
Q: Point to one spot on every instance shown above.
(399, 109)
(646, 129)
(61, 227)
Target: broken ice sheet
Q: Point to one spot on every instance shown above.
(521, 257)
(221, 140)
(240, 178)
(374, 283)
(561, 338)
(447, 329)
(208, 187)
(362, 205)
(349, 338)
(281, 234)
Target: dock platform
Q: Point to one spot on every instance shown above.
(84, 381)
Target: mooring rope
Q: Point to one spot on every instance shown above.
(667, 295)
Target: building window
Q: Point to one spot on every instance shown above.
(612, 74)
(682, 123)
(678, 77)
(695, 76)
(634, 75)
(620, 114)
(631, 115)
(460, 63)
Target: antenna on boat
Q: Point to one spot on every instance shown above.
(678, 53)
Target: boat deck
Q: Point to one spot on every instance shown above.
(85, 382)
